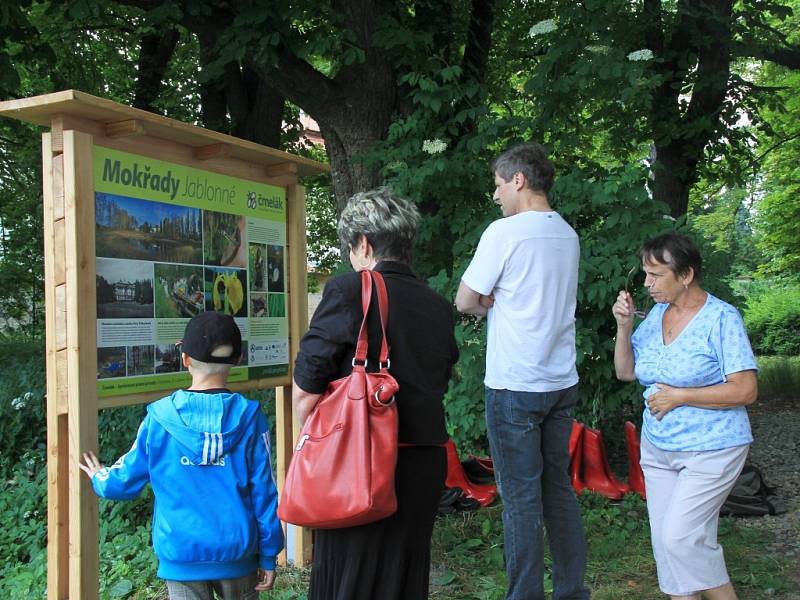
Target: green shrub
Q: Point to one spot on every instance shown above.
(778, 377)
(772, 318)
(22, 400)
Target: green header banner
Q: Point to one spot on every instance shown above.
(138, 176)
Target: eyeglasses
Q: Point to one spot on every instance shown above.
(641, 314)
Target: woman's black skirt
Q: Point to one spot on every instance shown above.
(388, 559)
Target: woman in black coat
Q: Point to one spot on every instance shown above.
(388, 559)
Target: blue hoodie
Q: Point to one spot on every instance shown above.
(207, 456)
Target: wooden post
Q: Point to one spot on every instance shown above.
(81, 361)
(289, 428)
(55, 351)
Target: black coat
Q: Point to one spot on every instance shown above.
(422, 347)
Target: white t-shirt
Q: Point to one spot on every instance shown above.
(530, 262)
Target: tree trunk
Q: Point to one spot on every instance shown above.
(671, 186)
(696, 55)
(256, 108)
(154, 55)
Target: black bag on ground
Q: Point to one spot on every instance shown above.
(751, 496)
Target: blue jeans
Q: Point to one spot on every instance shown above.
(529, 438)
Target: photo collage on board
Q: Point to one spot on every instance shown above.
(160, 264)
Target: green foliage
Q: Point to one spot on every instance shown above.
(772, 318)
(778, 210)
(22, 400)
(778, 377)
(613, 215)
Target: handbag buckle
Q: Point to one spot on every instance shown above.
(385, 365)
(378, 398)
(353, 362)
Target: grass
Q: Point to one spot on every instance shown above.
(467, 557)
(778, 377)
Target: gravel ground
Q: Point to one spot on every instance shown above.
(776, 451)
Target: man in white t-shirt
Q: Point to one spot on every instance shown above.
(524, 276)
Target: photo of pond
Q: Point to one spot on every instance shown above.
(139, 229)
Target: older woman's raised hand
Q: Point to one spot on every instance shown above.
(623, 309)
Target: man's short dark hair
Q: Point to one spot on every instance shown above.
(530, 160)
(682, 252)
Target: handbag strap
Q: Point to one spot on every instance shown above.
(362, 345)
(363, 342)
(383, 309)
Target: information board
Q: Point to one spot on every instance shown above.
(173, 241)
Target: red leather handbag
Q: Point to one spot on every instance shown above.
(342, 470)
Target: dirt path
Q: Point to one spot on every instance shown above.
(776, 451)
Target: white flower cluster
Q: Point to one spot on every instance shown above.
(641, 55)
(434, 146)
(21, 402)
(598, 49)
(543, 27)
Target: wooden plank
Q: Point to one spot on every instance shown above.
(283, 180)
(297, 266)
(185, 155)
(225, 163)
(284, 442)
(41, 109)
(144, 397)
(125, 128)
(58, 507)
(60, 314)
(297, 301)
(56, 135)
(279, 169)
(57, 182)
(59, 266)
(62, 382)
(57, 451)
(212, 151)
(81, 361)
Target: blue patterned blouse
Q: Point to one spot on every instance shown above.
(713, 345)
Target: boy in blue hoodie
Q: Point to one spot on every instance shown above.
(206, 453)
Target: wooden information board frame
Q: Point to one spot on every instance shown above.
(77, 122)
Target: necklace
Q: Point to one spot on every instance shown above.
(680, 320)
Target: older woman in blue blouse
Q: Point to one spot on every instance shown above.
(692, 355)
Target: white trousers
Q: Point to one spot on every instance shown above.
(685, 491)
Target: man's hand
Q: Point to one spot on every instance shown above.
(471, 302)
(266, 579)
(486, 301)
(92, 465)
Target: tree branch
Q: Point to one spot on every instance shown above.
(776, 146)
(296, 79)
(787, 56)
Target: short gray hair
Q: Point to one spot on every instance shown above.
(388, 221)
(530, 160)
(207, 368)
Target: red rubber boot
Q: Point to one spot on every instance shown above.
(595, 474)
(485, 494)
(635, 474)
(576, 456)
